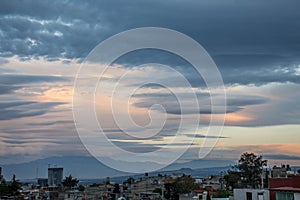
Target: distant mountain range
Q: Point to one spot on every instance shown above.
(90, 168)
(200, 173)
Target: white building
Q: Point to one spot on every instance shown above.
(251, 194)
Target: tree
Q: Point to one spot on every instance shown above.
(251, 168)
(14, 186)
(157, 190)
(232, 179)
(130, 180)
(222, 194)
(181, 185)
(69, 181)
(116, 189)
(170, 192)
(208, 196)
(81, 188)
(2, 180)
(185, 184)
(10, 188)
(4, 189)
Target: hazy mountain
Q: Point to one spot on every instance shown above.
(90, 168)
(202, 163)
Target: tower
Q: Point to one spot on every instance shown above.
(55, 176)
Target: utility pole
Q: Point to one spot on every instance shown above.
(262, 180)
(146, 175)
(162, 192)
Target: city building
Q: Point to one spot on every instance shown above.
(213, 182)
(144, 187)
(280, 171)
(55, 176)
(1, 177)
(251, 194)
(74, 194)
(285, 188)
(42, 182)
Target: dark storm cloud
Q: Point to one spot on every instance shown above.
(248, 39)
(52, 123)
(4, 105)
(11, 141)
(14, 114)
(15, 110)
(13, 79)
(7, 89)
(169, 130)
(172, 106)
(176, 109)
(11, 82)
(53, 29)
(170, 95)
(205, 136)
(235, 68)
(245, 100)
(136, 147)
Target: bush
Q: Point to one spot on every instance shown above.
(222, 194)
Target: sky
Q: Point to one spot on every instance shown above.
(254, 44)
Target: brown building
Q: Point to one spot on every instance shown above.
(284, 188)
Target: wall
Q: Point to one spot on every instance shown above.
(285, 182)
(240, 194)
(297, 196)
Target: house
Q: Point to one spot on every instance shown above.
(145, 187)
(213, 182)
(73, 194)
(285, 188)
(251, 194)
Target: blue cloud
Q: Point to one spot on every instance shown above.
(247, 47)
(14, 110)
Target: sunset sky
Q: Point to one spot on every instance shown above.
(255, 45)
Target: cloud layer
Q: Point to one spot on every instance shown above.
(248, 48)
(255, 44)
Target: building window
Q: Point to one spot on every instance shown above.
(249, 195)
(260, 196)
(284, 196)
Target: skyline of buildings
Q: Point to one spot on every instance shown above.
(282, 184)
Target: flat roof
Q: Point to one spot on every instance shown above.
(55, 168)
(292, 189)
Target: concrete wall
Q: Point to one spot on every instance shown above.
(297, 196)
(189, 197)
(240, 194)
(285, 182)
